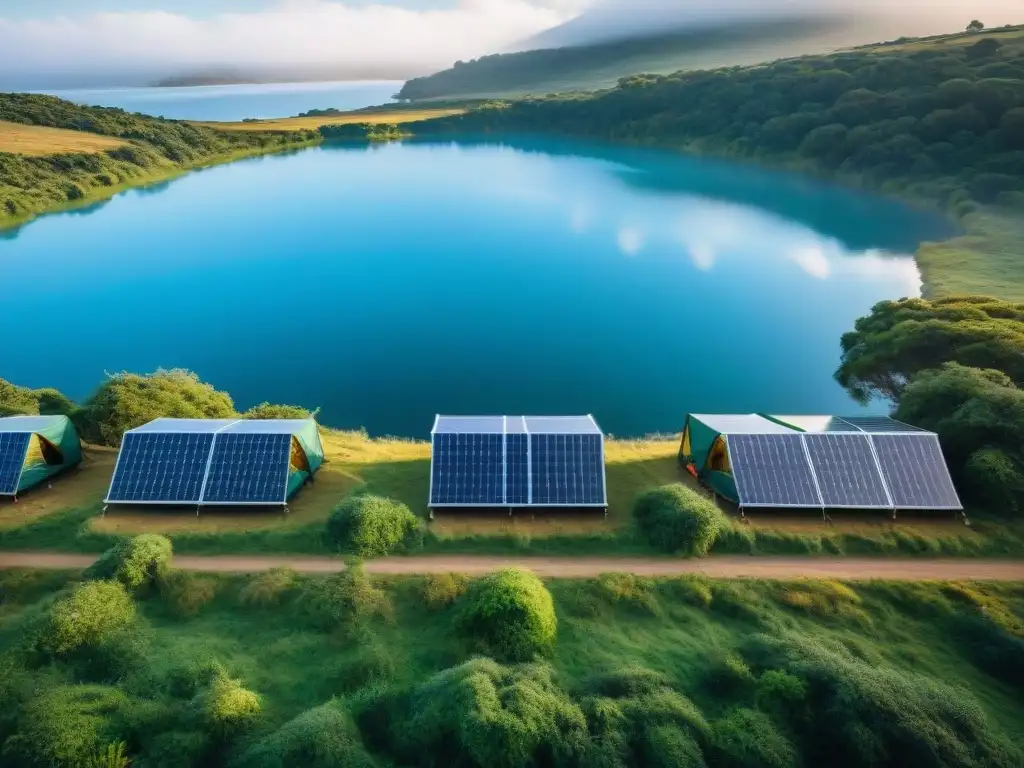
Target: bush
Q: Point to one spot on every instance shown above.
(268, 589)
(268, 411)
(129, 400)
(186, 593)
(136, 562)
(483, 714)
(323, 737)
(345, 598)
(627, 590)
(370, 526)
(746, 738)
(114, 756)
(441, 590)
(693, 589)
(92, 614)
(675, 518)
(780, 693)
(15, 400)
(226, 706)
(508, 614)
(66, 725)
(729, 674)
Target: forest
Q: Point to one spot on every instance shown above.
(939, 122)
(155, 148)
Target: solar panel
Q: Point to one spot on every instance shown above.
(567, 470)
(847, 473)
(467, 469)
(517, 469)
(772, 471)
(915, 471)
(155, 467)
(12, 459)
(878, 424)
(248, 468)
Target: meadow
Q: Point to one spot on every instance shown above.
(313, 122)
(737, 673)
(38, 140)
(69, 516)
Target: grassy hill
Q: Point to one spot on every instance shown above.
(54, 153)
(937, 121)
(279, 669)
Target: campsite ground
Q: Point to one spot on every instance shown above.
(69, 515)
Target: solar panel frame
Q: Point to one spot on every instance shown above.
(13, 449)
(764, 443)
(897, 492)
(513, 429)
(869, 465)
(224, 440)
(143, 435)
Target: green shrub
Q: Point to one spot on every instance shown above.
(780, 693)
(483, 714)
(729, 674)
(372, 665)
(15, 400)
(626, 682)
(821, 598)
(186, 593)
(268, 411)
(675, 518)
(268, 589)
(136, 562)
(627, 590)
(746, 738)
(65, 725)
(694, 589)
(508, 614)
(129, 400)
(323, 737)
(371, 526)
(92, 614)
(346, 598)
(442, 590)
(226, 706)
(995, 480)
(114, 756)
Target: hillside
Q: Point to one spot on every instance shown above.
(54, 153)
(937, 121)
(600, 65)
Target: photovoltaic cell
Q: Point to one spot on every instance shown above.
(879, 424)
(772, 471)
(846, 470)
(12, 458)
(567, 469)
(467, 469)
(161, 467)
(517, 472)
(915, 471)
(248, 468)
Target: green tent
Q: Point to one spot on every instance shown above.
(39, 447)
(704, 447)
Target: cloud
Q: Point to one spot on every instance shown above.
(293, 34)
(630, 240)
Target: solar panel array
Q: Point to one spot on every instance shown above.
(13, 446)
(862, 470)
(517, 461)
(203, 462)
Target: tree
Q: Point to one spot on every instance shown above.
(508, 614)
(129, 400)
(88, 617)
(901, 338)
(979, 416)
(137, 562)
(270, 411)
(322, 737)
(975, 26)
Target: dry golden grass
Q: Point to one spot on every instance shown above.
(967, 38)
(312, 123)
(36, 140)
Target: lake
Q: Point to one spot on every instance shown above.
(236, 102)
(387, 283)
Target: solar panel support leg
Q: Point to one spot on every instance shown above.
(430, 513)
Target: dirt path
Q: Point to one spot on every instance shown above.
(844, 568)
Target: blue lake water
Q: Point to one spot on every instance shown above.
(236, 102)
(390, 282)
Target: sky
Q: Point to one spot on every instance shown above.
(47, 43)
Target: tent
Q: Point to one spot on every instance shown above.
(34, 449)
(819, 462)
(216, 461)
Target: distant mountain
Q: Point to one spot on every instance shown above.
(601, 64)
